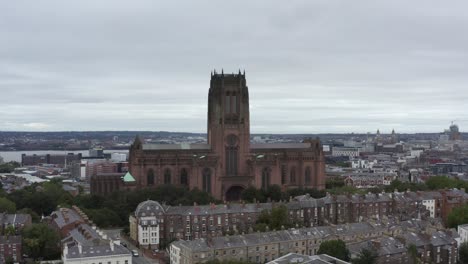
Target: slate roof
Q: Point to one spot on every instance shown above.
(96, 251)
(305, 259)
(65, 216)
(218, 209)
(182, 146)
(149, 208)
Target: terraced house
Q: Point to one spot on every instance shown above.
(154, 223)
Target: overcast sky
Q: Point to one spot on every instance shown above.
(312, 66)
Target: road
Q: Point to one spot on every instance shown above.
(115, 234)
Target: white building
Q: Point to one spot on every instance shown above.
(362, 164)
(109, 253)
(345, 151)
(118, 157)
(175, 254)
(429, 200)
(144, 225)
(463, 233)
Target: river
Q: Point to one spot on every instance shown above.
(16, 155)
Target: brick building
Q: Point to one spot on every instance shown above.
(194, 222)
(389, 239)
(10, 249)
(228, 163)
(58, 159)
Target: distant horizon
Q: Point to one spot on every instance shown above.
(204, 133)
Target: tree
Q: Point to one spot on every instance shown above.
(273, 192)
(252, 194)
(413, 253)
(463, 253)
(9, 167)
(275, 220)
(334, 248)
(41, 241)
(9, 231)
(7, 206)
(366, 256)
(458, 216)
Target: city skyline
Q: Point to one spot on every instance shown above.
(322, 67)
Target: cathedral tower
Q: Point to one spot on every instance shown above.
(229, 121)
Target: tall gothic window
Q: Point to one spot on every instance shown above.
(184, 177)
(231, 103)
(206, 174)
(231, 155)
(307, 175)
(150, 177)
(167, 176)
(265, 178)
(292, 175)
(284, 172)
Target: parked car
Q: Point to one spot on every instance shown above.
(135, 253)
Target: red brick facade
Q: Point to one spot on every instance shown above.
(228, 163)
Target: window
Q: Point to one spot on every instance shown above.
(307, 175)
(283, 174)
(230, 103)
(265, 178)
(227, 103)
(206, 180)
(150, 177)
(292, 175)
(184, 177)
(233, 104)
(167, 176)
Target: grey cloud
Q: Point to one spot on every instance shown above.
(312, 66)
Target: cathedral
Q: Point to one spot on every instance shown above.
(228, 163)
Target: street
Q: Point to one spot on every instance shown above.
(141, 259)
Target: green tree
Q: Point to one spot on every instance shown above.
(463, 253)
(275, 220)
(41, 241)
(413, 253)
(366, 256)
(252, 194)
(335, 248)
(7, 206)
(458, 216)
(9, 167)
(273, 192)
(9, 231)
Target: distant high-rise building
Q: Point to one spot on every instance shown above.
(228, 163)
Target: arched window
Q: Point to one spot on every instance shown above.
(284, 172)
(184, 177)
(265, 178)
(167, 176)
(150, 177)
(206, 174)
(307, 176)
(292, 175)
